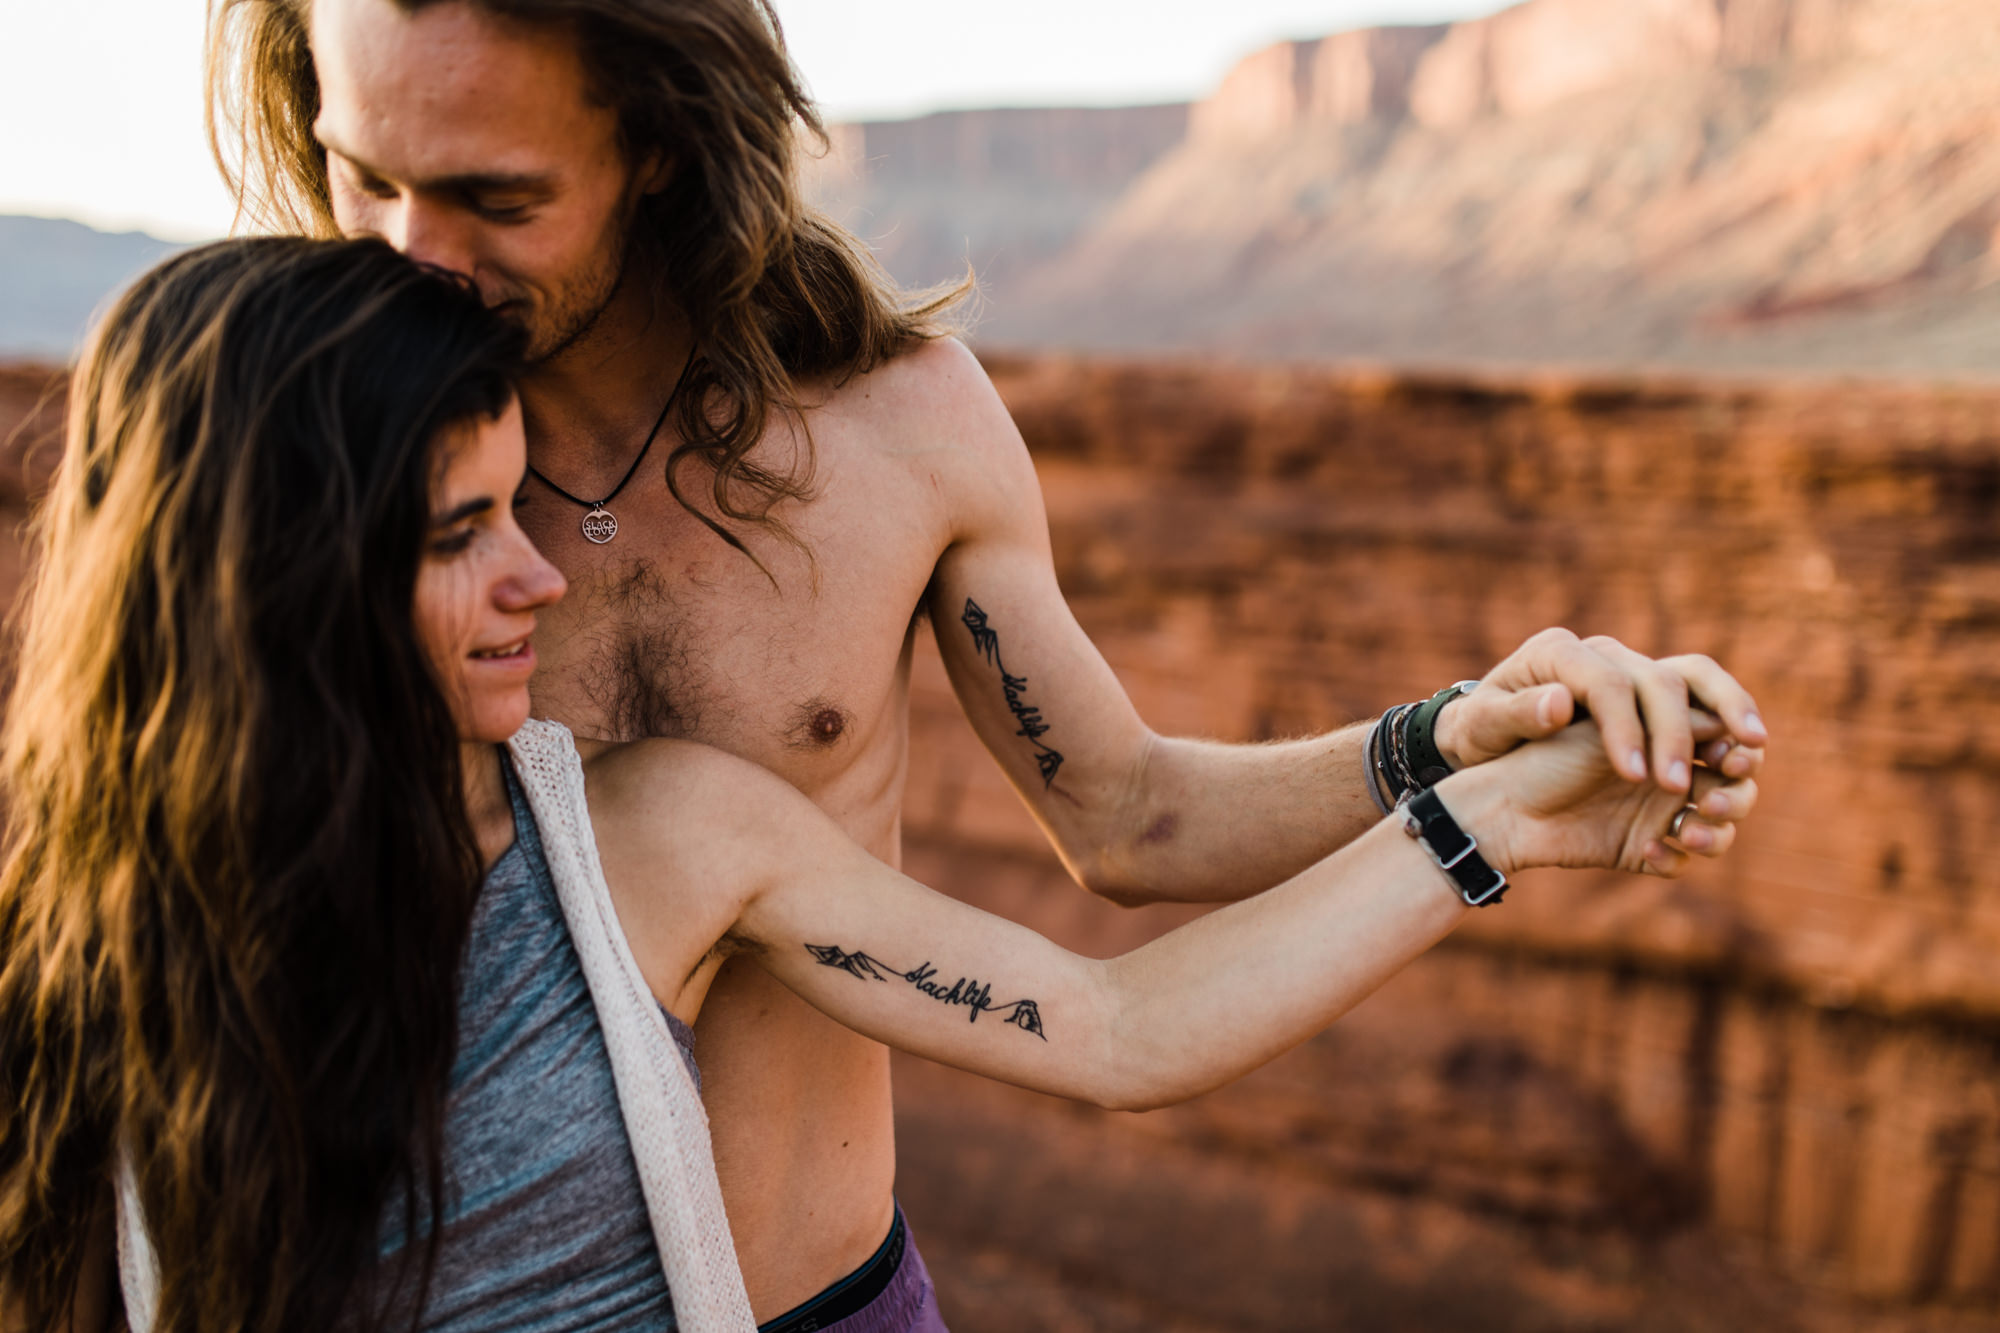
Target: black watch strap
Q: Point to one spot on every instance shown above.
(1420, 745)
(1455, 850)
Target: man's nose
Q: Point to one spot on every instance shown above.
(430, 235)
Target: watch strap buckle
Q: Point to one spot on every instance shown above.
(1455, 851)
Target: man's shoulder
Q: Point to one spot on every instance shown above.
(932, 388)
(933, 410)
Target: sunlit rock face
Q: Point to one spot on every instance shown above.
(998, 192)
(1647, 182)
(1765, 1097)
(1712, 184)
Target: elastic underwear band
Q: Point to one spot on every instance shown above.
(852, 1294)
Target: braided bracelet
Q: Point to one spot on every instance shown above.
(1401, 752)
(1372, 758)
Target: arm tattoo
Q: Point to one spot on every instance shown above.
(986, 640)
(1023, 1014)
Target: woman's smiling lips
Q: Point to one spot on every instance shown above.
(518, 655)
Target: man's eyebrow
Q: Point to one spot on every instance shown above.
(463, 512)
(464, 182)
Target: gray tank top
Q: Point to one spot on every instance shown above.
(545, 1225)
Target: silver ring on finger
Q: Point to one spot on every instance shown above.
(1680, 819)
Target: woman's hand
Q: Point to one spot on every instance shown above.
(1564, 805)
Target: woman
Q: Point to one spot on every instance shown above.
(340, 1014)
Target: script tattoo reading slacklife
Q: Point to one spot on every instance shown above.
(987, 640)
(974, 995)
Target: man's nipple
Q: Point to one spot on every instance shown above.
(818, 724)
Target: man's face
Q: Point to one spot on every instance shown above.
(470, 142)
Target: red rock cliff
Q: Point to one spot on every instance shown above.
(1754, 1098)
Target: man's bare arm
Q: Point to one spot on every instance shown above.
(1139, 817)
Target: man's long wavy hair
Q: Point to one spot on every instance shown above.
(777, 295)
(238, 871)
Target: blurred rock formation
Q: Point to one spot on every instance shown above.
(1766, 1097)
(1701, 183)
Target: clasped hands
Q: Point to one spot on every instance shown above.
(1680, 731)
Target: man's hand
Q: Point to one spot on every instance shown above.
(1641, 707)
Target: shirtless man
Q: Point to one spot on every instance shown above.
(618, 174)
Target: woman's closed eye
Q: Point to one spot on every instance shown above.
(454, 541)
(453, 530)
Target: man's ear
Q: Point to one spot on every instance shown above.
(656, 169)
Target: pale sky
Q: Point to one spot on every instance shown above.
(101, 100)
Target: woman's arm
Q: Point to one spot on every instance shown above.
(1186, 1013)
(719, 849)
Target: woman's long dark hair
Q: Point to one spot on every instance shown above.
(238, 869)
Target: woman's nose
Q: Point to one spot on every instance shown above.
(532, 583)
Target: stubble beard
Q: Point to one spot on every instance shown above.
(581, 303)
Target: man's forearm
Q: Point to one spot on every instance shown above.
(1208, 822)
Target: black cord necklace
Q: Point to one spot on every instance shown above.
(599, 525)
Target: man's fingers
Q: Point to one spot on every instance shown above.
(1663, 698)
(1555, 708)
(1718, 691)
(1606, 690)
(1528, 715)
(1663, 701)
(1621, 689)
(1666, 708)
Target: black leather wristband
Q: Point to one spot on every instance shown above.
(1455, 850)
(1420, 746)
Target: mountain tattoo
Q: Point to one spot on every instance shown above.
(986, 640)
(973, 995)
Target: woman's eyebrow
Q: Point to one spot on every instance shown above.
(463, 511)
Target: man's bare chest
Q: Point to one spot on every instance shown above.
(666, 631)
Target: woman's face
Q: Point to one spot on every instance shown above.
(482, 580)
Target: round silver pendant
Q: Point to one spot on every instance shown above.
(600, 526)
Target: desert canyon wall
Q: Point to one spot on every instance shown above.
(1768, 1096)
(1713, 184)
(999, 191)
